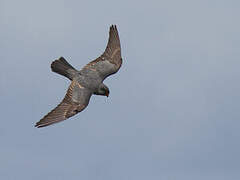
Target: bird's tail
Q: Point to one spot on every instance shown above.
(61, 66)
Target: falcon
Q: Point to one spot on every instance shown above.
(86, 82)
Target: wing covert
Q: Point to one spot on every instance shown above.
(76, 99)
(110, 61)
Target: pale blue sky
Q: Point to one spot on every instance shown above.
(173, 112)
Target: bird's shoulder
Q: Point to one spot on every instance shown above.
(101, 68)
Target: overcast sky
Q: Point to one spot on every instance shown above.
(173, 111)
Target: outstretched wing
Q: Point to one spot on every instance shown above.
(76, 99)
(110, 61)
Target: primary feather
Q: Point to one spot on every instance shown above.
(85, 82)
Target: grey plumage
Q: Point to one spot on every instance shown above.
(61, 66)
(87, 81)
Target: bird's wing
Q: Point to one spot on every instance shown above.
(110, 61)
(76, 99)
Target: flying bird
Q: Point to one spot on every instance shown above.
(86, 82)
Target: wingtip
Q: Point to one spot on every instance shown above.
(113, 28)
(39, 124)
(61, 58)
(36, 125)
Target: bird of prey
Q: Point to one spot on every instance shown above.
(86, 82)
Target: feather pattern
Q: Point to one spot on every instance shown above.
(87, 81)
(110, 61)
(75, 101)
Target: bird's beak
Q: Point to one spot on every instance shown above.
(107, 94)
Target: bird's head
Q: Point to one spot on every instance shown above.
(103, 90)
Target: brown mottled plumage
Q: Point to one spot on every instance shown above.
(87, 81)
